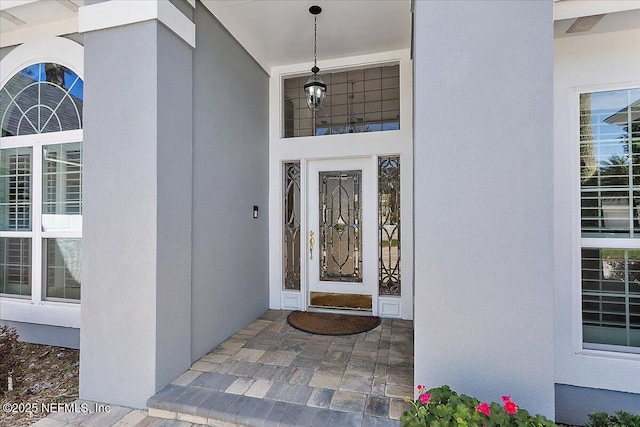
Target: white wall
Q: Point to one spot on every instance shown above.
(484, 199)
(588, 63)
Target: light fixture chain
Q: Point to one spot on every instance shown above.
(315, 40)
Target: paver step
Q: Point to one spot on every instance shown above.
(215, 408)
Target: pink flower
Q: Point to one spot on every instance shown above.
(506, 399)
(484, 408)
(510, 407)
(424, 398)
(420, 387)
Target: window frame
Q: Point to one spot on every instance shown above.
(363, 144)
(36, 309)
(38, 269)
(592, 242)
(364, 91)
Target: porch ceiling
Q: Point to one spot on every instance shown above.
(18, 14)
(280, 32)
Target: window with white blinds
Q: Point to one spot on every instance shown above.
(610, 219)
(15, 189)
(41, 183)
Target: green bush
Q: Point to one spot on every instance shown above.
(443, 407)
(8, 362)
(620, 419)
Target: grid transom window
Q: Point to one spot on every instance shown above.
(363, 100)
(610, 219)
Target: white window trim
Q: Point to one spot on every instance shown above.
(591, 242)
(36, 309)
(370, 144)
(583, 64)
(572, 366)
(53, 49)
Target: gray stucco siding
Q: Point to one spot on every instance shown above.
(174, 176)
(45, 334)
(135, 334)
(117, 352)
(574, 404)
(230, 176)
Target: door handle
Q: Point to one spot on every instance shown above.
(312, 241)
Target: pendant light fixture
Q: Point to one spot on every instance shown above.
(315, 89)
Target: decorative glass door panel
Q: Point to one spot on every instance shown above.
(340, 222)
(341, 233)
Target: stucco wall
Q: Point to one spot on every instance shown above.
(230, 176)
(135, 333)
(174, 168)
(484, 199)
(117, 340)
(584, 64)
(45, 334)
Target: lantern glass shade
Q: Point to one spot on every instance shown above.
(315, 90)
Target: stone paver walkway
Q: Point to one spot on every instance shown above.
(270, 374)
(83, 413)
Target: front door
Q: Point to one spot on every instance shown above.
(341, 240)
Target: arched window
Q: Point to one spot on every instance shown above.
(41, 183)
(43, 97)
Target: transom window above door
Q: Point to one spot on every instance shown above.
(358, 100)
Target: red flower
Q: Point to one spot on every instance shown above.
(420, 386)
(506, 399)
(510, 407)
(484, 408)
(424, 398)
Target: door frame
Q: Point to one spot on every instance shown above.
(369, 194)
(368, 144)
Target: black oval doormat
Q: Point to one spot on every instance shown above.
(331, 323)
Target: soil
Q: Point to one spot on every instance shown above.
(44, 376)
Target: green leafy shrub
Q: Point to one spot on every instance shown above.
(443, 407)
(620, 419)
(8, 342)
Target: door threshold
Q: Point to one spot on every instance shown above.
(341, 301)
(340, 310)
